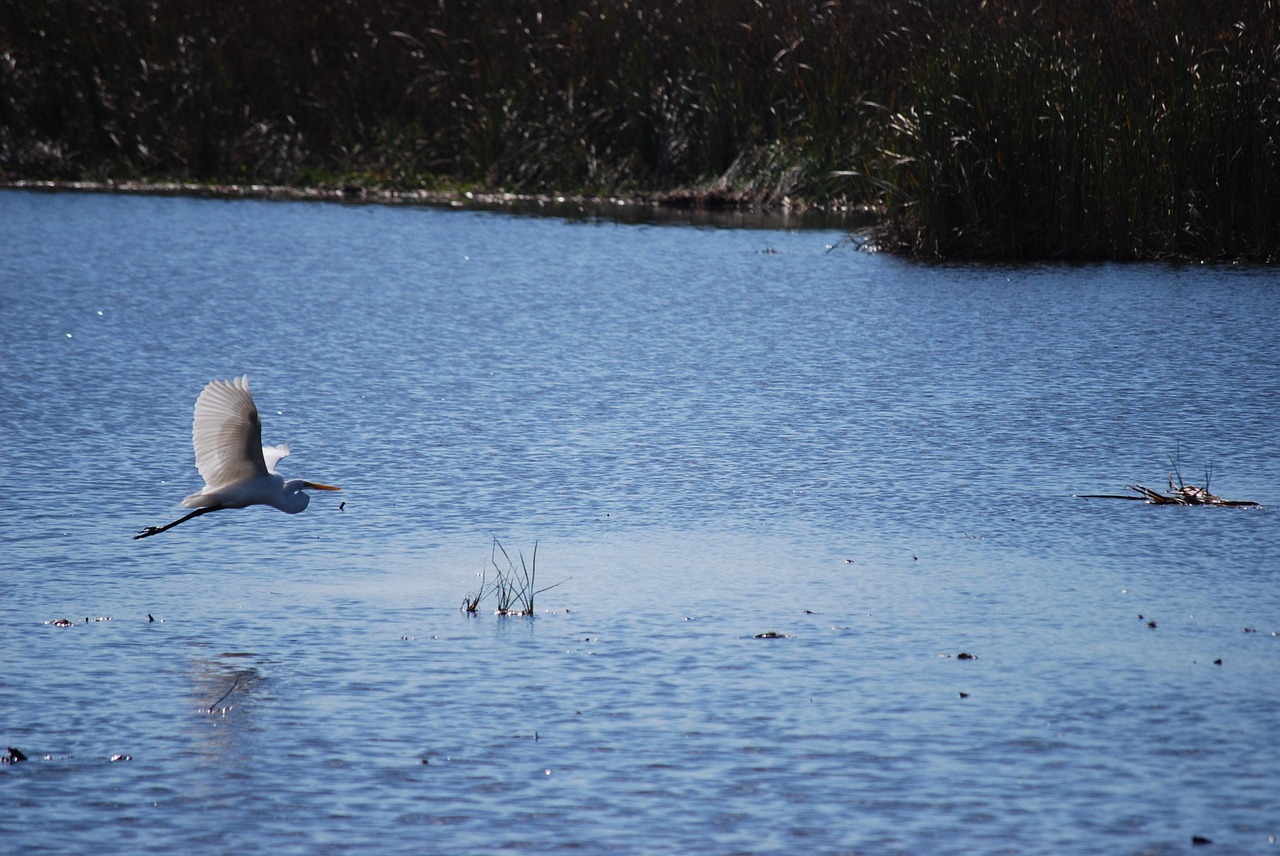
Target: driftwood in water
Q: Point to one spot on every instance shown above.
(1186, 495)
(1182, 495)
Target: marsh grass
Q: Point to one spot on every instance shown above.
(1013, 128)
(600, 96)
(1149, 133)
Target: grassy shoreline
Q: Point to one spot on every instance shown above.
(999, 129)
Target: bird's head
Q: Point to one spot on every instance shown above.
(295, 497)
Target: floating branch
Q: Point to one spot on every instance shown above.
(1180, 493)
(1186, 495)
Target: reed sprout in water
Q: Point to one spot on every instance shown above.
(472, 600)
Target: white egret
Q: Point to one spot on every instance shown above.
(238, 470)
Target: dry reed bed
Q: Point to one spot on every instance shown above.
(1014, 129)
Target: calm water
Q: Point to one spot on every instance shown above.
(710, 434)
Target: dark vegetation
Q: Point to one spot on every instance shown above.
(1083, 129)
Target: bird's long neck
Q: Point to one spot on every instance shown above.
(294, 499)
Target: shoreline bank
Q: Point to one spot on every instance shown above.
(686, 207)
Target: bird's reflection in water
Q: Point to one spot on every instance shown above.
(242, 678)
(221, 725)
(226, 682)
(222, 688)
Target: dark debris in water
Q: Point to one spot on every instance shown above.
(1187, 495)
(1179, 492)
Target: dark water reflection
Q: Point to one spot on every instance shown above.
(710, 434)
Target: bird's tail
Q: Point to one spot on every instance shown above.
(199, 500)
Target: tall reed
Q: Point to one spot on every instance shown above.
(1031, 135)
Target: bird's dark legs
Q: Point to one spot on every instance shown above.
(156, 530)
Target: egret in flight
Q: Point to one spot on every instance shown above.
(238, 470)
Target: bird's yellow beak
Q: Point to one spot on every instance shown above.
(317, 486)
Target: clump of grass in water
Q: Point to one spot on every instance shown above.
(513, 586)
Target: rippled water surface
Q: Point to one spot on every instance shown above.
(709, 435)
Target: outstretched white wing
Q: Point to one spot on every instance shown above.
(227, 434)
(271, 455)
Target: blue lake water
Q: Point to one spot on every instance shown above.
(709, 434)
